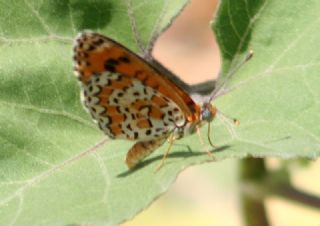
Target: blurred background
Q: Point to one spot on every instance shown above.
(209, 194)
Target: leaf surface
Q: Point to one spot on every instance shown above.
(43, 125)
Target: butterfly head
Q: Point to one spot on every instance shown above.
(208, 112)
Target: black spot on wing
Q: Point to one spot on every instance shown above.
(98, 42)
(110, 64)
(124, 59)
(110, 68)
(129, 127)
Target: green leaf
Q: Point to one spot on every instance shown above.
(43, 125)
(275, 95)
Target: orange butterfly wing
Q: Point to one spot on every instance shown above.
(105, 67)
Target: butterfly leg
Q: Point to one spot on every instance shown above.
(202, 142)
(209, 136)
(171, 140)
(141, 150)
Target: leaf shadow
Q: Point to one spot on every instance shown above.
(85, 15)
(176, 154)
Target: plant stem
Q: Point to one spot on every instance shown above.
(293, 194)
(254, 212)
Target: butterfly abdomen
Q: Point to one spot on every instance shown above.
(141, 150)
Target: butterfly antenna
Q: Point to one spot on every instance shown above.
(228, 118)
(229, 122)
(220, 86)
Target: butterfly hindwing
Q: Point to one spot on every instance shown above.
(124, 108)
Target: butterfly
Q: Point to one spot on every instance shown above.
(130, 99)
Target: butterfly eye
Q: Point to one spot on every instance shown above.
(206, 115)
(208, 112)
